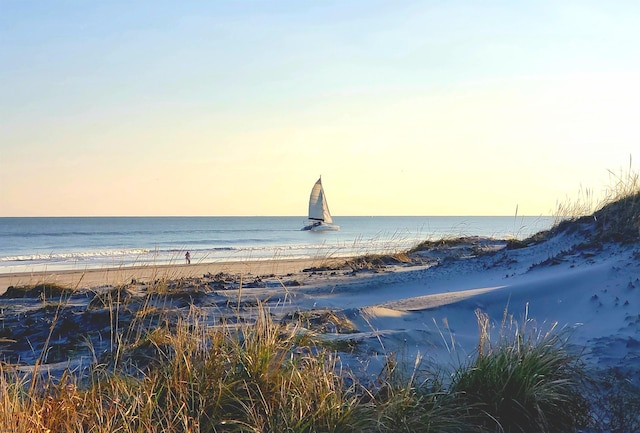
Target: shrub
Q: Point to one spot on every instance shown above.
(526, 382)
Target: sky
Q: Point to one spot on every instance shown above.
(237, 107)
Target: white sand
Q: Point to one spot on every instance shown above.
(594, 294)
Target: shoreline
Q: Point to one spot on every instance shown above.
(95, 277)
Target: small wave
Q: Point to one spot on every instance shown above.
(173, 252)
(74, 255)
(182, 250)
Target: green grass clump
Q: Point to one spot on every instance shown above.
(528, 382)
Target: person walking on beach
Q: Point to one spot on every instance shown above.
(187, 257)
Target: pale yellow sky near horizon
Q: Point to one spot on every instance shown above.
(404, 108)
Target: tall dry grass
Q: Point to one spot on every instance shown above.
(259, 376)
(262, 376)
(616, 215)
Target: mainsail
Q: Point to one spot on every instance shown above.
(318, 208)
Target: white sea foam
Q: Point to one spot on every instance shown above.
(74, 255)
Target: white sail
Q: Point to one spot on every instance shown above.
(325, 208)
(318, 208)
(319, 215)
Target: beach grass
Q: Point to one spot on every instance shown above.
(263, 376)
(613, 217)
(526, 381)
(256, 377)
(616, 214)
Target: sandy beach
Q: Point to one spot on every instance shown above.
(114, 276)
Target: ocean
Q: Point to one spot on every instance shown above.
(78, 243)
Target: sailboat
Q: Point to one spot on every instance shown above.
(319, 215)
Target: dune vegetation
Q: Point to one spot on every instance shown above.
(253, 374)
(273, 377)
(263, 376)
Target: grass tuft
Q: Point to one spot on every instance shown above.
(527, 381)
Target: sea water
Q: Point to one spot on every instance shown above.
(78, 243)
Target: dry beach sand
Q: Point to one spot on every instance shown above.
(114, 276)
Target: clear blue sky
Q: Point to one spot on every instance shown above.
(235, 108)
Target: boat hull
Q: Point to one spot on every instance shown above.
(322, 227)
(319, 216)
